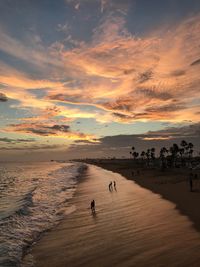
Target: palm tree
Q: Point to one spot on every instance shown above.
(183, 144)
(142, 155)
(148, 155)
(181, 152)
(174, 152)
(153, 150)
(134, 153)
(163, 153)
(190, 150)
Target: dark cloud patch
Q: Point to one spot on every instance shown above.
(192, 130)
(129, 71)
(52, 111)
(40, 129)
(177, 73)
(32, 148)
(49, 130)
(67, 97)
(62, 128)
(145, 76)
(151, 93)
(166, 108)
(123, 116)
(3, 97)
(141, 115)
(54, 130)
(82, 141)
(9, 140)
(122, 104)
(196, 62)
(120, 145)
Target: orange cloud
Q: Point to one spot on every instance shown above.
(155, 77)
(149, 78)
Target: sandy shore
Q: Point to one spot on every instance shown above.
(131, 227)
(170, 184)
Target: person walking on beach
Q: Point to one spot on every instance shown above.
(114, 183)
(93, 206)
(110, 186)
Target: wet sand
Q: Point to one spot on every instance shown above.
(131, 227)
(171, 185)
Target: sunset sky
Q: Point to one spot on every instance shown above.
(83, 78)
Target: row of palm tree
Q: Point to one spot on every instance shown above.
(183, 151)
(149, 154)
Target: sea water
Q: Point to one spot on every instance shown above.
(33, 198)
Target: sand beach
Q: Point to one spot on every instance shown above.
(172, 184)
(131, 227)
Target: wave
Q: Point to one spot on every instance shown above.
(35, 201)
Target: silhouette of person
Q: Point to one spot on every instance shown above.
(93, 206)
(114, 183)
(191, 181)
(110, 186)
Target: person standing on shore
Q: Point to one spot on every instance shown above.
(93, 206)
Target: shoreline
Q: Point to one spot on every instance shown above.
(172, 184)
(130, 227)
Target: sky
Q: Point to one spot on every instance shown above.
(92, 78)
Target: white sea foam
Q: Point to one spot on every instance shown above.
(34, 197)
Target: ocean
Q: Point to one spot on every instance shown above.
(34, 197)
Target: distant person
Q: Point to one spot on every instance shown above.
(114, 183)
(93, 206)
(191, 181)
(110, 186)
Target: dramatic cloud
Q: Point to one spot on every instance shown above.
(128, 78)
(133, 76)
(94, 68)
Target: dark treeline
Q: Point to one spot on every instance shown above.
(174, 156)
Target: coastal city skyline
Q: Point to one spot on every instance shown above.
(95, 77)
